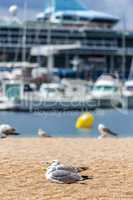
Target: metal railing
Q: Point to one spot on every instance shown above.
(90, 44)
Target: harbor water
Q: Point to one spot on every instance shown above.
(62, 124)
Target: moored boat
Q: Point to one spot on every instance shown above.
(107, 91)
(128, 94)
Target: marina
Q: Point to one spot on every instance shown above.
(70, 95)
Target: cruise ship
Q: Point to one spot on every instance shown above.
(68, 35)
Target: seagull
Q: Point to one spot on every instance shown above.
(42, 133)
(105, 132)
(62, 174)
(6, 129)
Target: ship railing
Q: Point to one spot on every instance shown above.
(125, 51)
(104, 44)
(43, 41)
(30, 46)
(100, 43)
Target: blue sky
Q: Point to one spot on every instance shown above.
(120, 8)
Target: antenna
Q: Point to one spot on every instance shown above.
(13, 10)
(50, 6)
(24, 32)
(124, 47)
(53, 5)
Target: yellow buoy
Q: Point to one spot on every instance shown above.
(85, 121)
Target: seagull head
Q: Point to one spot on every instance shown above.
(100, 127)
(55, 163)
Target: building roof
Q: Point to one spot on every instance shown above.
(90, 15)
(74, 7)
(7, 22)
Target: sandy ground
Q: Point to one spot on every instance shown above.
(109, 162)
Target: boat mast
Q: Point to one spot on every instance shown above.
(50, 55)
(124, 48)
(24, 33)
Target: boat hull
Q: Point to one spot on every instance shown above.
(128, 102)
(108, 102)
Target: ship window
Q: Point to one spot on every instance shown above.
(105, 88)
(130, 88)
(110, 88)
(84, 19)
(58, 17)
(68, 17)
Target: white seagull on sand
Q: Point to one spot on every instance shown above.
(42, 133)
(63, 174)
(6, 129)
(105, 132)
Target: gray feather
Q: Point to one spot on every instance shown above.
(110, 132)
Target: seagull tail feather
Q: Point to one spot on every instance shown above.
(114, 134)
(81, 169)
(85, 178)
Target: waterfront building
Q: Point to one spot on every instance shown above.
(98, 46)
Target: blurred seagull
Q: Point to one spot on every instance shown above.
(63, 174)
(42, 133)
(6, 129)
(105, 132)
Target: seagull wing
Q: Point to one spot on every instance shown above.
(42, 133)
(64, 176)
(72, 169)
(108, 131)
(81, 169)
(67, 168)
